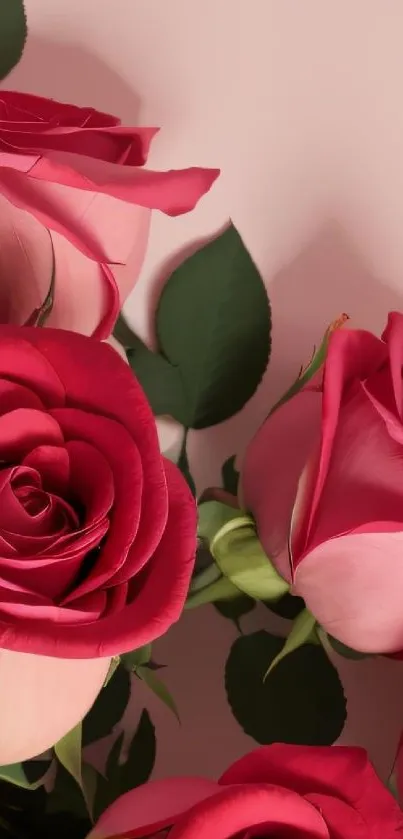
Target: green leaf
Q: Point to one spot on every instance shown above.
(183, 465)
(108, 708)
(331, 644)
(301, 702)
(115, 661)
(36, 770)
(234, 610)
(13, 33)
(234, 544)
(137, 657)
(20, 809)
(318, 359)
(289, 606)
(68, 753)
(160, 381)
(90, 780)
(340, 648)
(213, 326)
(14, 774)
(213, 516)
(40, 315)
(123, 333)
(66, 796)
(141, 758)
(302, 632)
(241, 558)
(158, 688)
(221, 589)
(230, 476)
(210, 574)
(113, 760)
(122, 777)
(108, 786)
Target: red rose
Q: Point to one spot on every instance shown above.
(324, 477)
(79, 173)
(294, 792)
(97, 530)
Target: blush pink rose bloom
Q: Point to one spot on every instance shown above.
(78, 173)
(323, 478)
(294, 792)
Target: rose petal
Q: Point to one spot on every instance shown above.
(24, 429)
(13, 395)
(125, 464)
(393, 336)
(341, 585)
(53, 465)
(173, 192)
(336, 774)
(157, 596)
(91, 481)
(273, 463)
(37, 110)
(235, 809)
(41, 699)
(25, 263)
(151, 807)
(115, 144)
(21, 362)
(83, 298)
(352, 355)
(364, 480)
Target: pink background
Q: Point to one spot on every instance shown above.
(300, 105)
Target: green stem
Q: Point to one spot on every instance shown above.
(205, 578)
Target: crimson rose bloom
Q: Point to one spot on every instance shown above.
(97, 530)
(286, 791)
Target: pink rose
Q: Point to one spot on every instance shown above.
(281, 790)
(324, 480)
(79, 173)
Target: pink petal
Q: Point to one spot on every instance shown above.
(116, 143)
(273, 464)
(235, 809)
(83, 297)
(340, 781)
(151, 807)
(54, 191)
(393, 335)
(41, 699)
(364, 480)
(304, 768)
(25, 263)
(352, 355)
(39, 110)
(82, 292)
(174, 192)
(353, 586)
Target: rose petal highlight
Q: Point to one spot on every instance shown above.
(41, 699)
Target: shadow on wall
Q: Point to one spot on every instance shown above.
(72, 74)
(326, 278)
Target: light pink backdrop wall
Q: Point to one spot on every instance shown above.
(300, 104)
